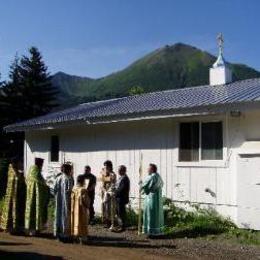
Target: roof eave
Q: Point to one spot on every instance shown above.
(146, 115)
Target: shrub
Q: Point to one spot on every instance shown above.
(131, 217)
(175, 216)
(51, 210)
(197, 222)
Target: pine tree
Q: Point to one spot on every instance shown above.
(11, 95)
(28, 93)
(9, 109)
(38, 93)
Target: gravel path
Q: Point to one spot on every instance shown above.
(103, 244)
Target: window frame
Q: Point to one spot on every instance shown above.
(200, 162)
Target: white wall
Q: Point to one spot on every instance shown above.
(158, 141)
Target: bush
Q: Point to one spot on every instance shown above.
(197, 222)
(175, 216)
(131, 217)
(51, 210)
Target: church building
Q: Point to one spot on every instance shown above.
(204, 139)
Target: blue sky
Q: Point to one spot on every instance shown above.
(95, 38)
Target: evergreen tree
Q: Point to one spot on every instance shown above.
(38, 93)
(11, 95)
(8, 102)
(28, 93)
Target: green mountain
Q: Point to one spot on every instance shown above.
(170, 67)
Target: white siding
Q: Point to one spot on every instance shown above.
(158, 141)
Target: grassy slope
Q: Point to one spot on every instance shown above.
(175, 66)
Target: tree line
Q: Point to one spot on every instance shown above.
(27, 93)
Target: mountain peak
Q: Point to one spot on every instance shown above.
(179, 46)
(172, 66)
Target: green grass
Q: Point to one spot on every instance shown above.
(242, 236)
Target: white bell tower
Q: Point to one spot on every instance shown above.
(220, 73)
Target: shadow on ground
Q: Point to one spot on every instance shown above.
(191, 233)
(122, 242)
(4, 243)
(6, 255)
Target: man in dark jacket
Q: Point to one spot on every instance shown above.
(122, 196)
(91, 191)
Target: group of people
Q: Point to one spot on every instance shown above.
(26, 201)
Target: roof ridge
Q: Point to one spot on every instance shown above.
(100, 101)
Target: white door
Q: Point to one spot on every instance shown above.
(248, 181)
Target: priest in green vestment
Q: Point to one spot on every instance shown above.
(37, 198)
(12, 217)
(153, 218)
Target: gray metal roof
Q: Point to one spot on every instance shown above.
(185, 100)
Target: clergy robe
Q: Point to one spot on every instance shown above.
(37, 198)
(108, 197)
(79, 211)
(12, 218)
(153, 219)
(62, 191)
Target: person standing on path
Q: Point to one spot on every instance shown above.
(79, 210)
(92, 181)
(37, 198)
(153, 219)
(108, 178)
(122, 196)
(62, 191)
(12, 219)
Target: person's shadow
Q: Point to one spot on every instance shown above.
(7, 255)
(4, 243)
(122, 242)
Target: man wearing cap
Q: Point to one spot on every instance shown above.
(37, 197)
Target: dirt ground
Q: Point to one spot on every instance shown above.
(103, 244)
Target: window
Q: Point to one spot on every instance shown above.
(189, 142)
(201, 141)
(55, 148)
(211, 141)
